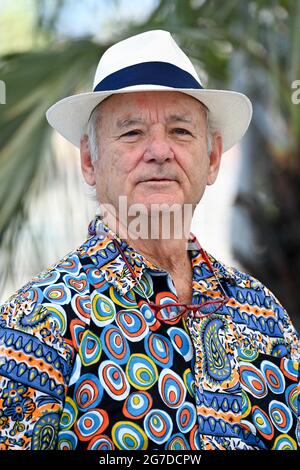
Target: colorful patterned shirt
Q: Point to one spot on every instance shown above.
(85, 364)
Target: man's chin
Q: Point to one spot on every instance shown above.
(155, 206)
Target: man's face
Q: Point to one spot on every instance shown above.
(152, 149)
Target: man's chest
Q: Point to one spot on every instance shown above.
(145, 372)
(184, 291)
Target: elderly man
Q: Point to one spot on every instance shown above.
(138, 339)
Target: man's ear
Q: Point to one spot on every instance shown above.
(215, 158)
(87, 166)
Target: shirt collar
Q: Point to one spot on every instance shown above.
(104, 254)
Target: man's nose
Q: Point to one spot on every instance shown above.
(158, 147)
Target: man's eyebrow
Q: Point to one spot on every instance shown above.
(127, 122)
(180, 118)
(123, 123)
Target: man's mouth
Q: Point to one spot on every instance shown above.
(158, 180)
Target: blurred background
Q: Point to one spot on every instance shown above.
(49, 49)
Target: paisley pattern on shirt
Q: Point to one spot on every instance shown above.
(84, 363)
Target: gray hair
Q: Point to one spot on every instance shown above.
(92, 132)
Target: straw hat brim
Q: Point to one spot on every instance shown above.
(230, 112)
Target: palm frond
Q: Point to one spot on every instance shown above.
(34, 81)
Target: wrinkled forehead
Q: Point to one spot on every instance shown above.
(167, 102)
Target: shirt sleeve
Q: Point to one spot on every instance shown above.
(35, 367)
(290, 334)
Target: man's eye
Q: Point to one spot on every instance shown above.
(132, 133)
(181, 131)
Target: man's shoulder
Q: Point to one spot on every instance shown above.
(237, 276)
(44, 308)
(256, 299)
(245, 285)
(56, 284)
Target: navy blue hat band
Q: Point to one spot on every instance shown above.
(149, 73)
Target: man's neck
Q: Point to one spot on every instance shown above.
(165, 248)
(171, 255)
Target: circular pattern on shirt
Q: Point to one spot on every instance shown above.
(247, 354)
(76, 372)
(78, 283)
(169, 314)
(159, 349)
(181, 342)
(77, 328)
(88, 392)
(189, 381)
(281, 416)
(262, 422)
(101, 442)
(253, 380)
(186, 417)
(132, 324)
(291, 397)
(58, 314)
(171, 388)
(35, 294)
(274, 377)
(81, 305)
(284, 442)
(289, 368)
(103, 309)
(58, 293)
(129, 436)
(97, 279)
(195, 440)
(45, 431)
(177, 442)
(93, 422)
(158, 426)
(249, 427)
(114, 380)
(149, 315)
(67, 440)
(246, 404)
(69, 414)
(115, 344)
(70, 265)
(126, 300)
(137, 405)
(90, 348)
(141, 371)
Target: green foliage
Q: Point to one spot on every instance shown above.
(211, 32)
(265, 33)
(35, 80)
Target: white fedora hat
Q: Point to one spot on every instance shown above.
(151, 61)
